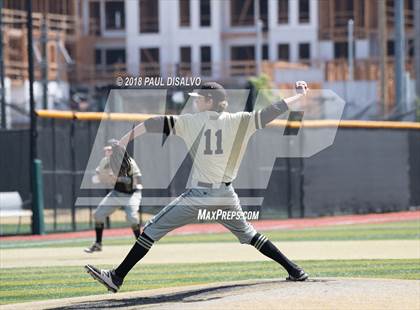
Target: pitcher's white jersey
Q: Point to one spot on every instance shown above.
(217, 142)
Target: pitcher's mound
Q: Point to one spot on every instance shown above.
(318, 293)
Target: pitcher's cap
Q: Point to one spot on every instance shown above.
(211, 90)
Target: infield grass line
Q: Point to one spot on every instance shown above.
(375, 231)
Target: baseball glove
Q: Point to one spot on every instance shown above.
(119, 160)
(301, 87)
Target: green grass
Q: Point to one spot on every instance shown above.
(30, 284)
(382, 231)
(25, 228)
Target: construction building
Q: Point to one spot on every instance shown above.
(91, 42)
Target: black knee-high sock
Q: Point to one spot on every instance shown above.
(137, 252)
(136, 230)
(266, 247)
(99, 229)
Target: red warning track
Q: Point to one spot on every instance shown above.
(262, 225)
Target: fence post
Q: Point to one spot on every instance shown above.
(301, 176)
(2, 94)
(37, 198)
(90, 190)
(54, 169)
(73, 174)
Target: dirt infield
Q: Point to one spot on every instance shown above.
(319, 293)
(205, 252)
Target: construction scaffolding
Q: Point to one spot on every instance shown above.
(60, 37)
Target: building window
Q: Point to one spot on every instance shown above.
(114, 15)
(184, 13)
(410, 47)
(304, 51)
(283, 52)
(283, 11)
(304, 11)
(149, 62)
(98, 57)
(95, 18)
(344, 10)
(205, 61)
(390, 48)
(149, 16)
(205, 13)
(340, 50)
(242, 60)
(242, 53)
(185, 60)
(109, 57)
(264, 13)
(241, 14)
(410, 5)
(115, 56)
(265, 53)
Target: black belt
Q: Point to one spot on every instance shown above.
(210, 185)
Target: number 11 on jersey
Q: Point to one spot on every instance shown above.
(208, 135)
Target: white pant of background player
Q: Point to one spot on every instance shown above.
(114, 200)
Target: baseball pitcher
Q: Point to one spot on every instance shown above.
(118, 170)
(217, 141)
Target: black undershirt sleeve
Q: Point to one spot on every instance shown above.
(160, 124)
(272, 112)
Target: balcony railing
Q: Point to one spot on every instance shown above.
(364, 69)
(236, 21)
(149, 24)
(205, 20)
(338, 29)
(56, 22)
(241, 68)
(304, 17)
(79, 73)
(96, 74)
(184, 69)
(150, 69)
(83, 73)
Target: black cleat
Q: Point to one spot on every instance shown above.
(95, 247)
(108, 278)
(301, 275)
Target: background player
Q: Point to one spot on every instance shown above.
(119, 170)
(222, 140)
